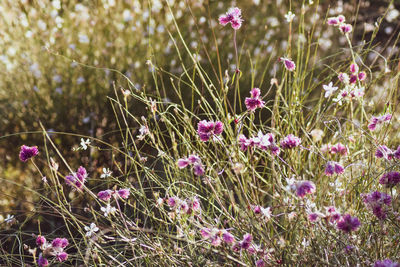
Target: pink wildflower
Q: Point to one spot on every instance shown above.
(348, 223)
(304, 187)
(28, 152)
(59, 243)
(354, 68)
(78, 178)
(42, 262)
(62, 256)
(228, 237)
(390, 179)
(290, 141)
(246, 242)
(376, 201)
(288, 63)
(254, 102)
(207, 129)
(375, 121)
(233, 16)
(40, 240)
(339, 149)
(384, 152)
(105, 195)
(123, 193)
(345, 28)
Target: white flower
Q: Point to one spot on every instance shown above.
(106, 173)
(85, 143)
(266, 213)
(329, 89)
(108, 210)
(289, 16)
(9, 219)
(91, 230)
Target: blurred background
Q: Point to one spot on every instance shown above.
(45, 45)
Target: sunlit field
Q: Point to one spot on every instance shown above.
(199, 133)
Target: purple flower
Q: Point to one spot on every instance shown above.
(384, 152)
(42, 261)
(105, 195)
(386, 263)
(59, 243)
(246, 242)
(207, 129)
(228, 237)
(361, 76)
(330, 169)
(78, 178)
(260, 263)
(183, 163)
(354, 68)
(378, 120)
(172, 202)
(348, 223)
(124, 193)
(345, 28)
(378, 203)
(254, 101)
(290, 141)
(62, 256)
(333, 21)
(233, 16)
(304, 187)
(28, 152)
(288, 63)
(244, 142)
(40, 240)
(205, 232)
(195, 204)
(390, 179)
(397, 153)
(198, 169)
(333, 167)
(339, 149)
(313, 217)
(339, 168)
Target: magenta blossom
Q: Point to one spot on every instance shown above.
(105, 195)
(255, 101)
(288, 63)
(339, 149)
(42, 262)
(195, 161)
(377, 202)
(28, 152)
(333, 167)
(390, 179)
(207, 129)
(375, 121)
(246, 242)
(123, 193)
(348, 224)
(384, 152)
(233, 16)
(77, 179)
(386, 263)
(62, 256)
(303, 188)
(290, 141)
(40, 240)
(59, 243)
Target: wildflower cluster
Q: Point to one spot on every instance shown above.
(53, 249)
(194, 161)
(339, 22)
(377, 202)
(77, 179)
